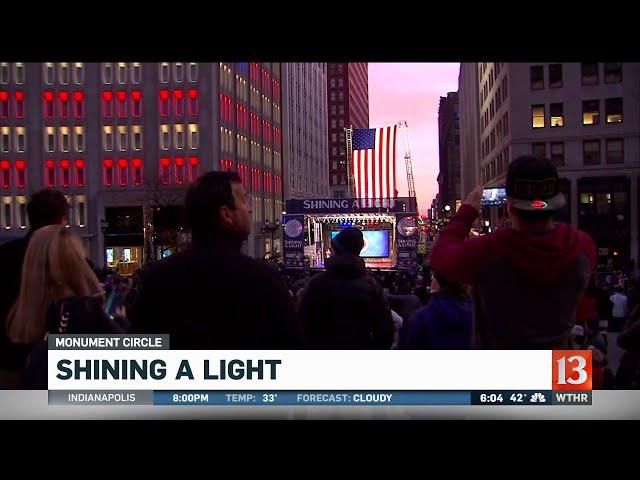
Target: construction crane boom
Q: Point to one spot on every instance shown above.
(404, 133)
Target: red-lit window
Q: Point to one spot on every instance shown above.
(63, 104)
(193, 101)
(238, 116)
(66, 172)
(245, 118)
(165, 170)
(178, 103)
(108, 172)
(4, 104)
(50, 172)
(226, 165)
(47, 107)
(19, 96)
(78, 104)
(136, 103)
(107, 104)
(276, 137)
(194, 164)
(123, 171)
(137, 170)
(180, 170)
(265, 181)
(266, 131)
(5, 167)
(276, 91)
(242, 171)
(225, 108)
(164, 103)
(122, 103)
(79, 172)
(21, 174)
(255, 72)
(256, 180)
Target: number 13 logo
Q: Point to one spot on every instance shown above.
(571, 370)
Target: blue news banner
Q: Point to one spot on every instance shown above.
(363, 398)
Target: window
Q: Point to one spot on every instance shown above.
(178, 139)
(107, 138)
(4, 104)
(81, 210)
(79, 163)
(193, 168)
(78, 104)
(122, 138)
(136, 163)
(19, 73)
(179, 169)
(63, 104)
(178, 72)
(590, 112)
(178, 105)
(63, 73)
(164, 72)
(19, 98)
(537, 116)
(539, 149)
(591, 152)
(66, 172)
(136, 73)
(4, 73)
(165, 141)
(136, 103)
(194, 140)
(557, 117)
(7, 220)
(122, 103)
(557, 153)
(536, 74)
(5, 169)
(107, 73)
(136, 137)
(47, 108)
(590, 73)
(49, 73)
(50, 139)
(613, 110)
(193, 72)
(165, 170)
(122, 73)
(50, 172)
(21, 140)
(164, 102)
(79, 139)
(107, 104)
(78, 73)
(612, 72)
(615, 150)
(123, 171)
(21, 204)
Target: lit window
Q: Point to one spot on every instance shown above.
(179, 170)
(615, 150)
(64, 139)
(178, 98)
(79, 163)
(81, 210)
(4, 73)
(108, 171)
(193, 72)
(63, 75)
(165, 170)
(21, 140)
(47, 108)
(4, 104)
(122, 73)
(537, 116)
(164, 102)
(107, 73)
(591, 112)
(7, 220)
(178, 138)
(19, 73)
(136, 137)
(194, 141)
(557, 154)
(136, 73)
(21, 203)
(193, 101)
(613, 110)
(49, 73)
(591, 152)
(66, 172)
(50, 172)
(136, 101)
(178, 72)
(50, 139)
(78, 104)
(557, 118)
(164, 72)
(122, 103)
(63, 104)
(79, 139)
(123, 171)
(21, 180)
(107, 138)
(19, 97)
(122, 138)
(590, 74)
(107, 104)
(5, 169)
(165, 138)
(536, 74)
(612, 72)
(193, 168)
(136, 163)
(78, 73)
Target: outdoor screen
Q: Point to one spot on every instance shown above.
(376, 243)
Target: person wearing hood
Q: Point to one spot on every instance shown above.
(528, 279)
(345, 307)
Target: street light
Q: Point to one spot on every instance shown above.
(447, 208)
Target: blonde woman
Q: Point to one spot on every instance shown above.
(59, 293)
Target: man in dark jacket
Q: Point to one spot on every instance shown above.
(345, 307)
(528, 279)
(45, 207)
(211, 296)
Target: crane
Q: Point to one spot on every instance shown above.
(404, 133)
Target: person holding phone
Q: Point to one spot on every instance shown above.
(528, 279)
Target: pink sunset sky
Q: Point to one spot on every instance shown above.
(411, 92)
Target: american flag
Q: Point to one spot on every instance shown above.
(374, 162)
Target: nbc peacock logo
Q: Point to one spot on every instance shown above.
(538, 398)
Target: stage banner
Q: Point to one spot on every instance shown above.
(407, 242)
(293, 226)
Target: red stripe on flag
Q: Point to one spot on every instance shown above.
(381, 171)
(387, 193)
(366, 174)
(394, 194)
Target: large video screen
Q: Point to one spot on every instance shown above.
(376, 243)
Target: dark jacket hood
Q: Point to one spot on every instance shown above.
(345, 265)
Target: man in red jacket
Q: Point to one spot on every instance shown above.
(527, 279)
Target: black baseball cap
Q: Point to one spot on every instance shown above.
(533, 184)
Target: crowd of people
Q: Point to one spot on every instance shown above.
(533, 285)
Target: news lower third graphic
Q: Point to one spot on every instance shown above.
(143, 370)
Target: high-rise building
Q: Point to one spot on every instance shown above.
(585, 117)
(306, 163)
(348, 105)
(123, 140)
(449, 180)
(469, 119)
